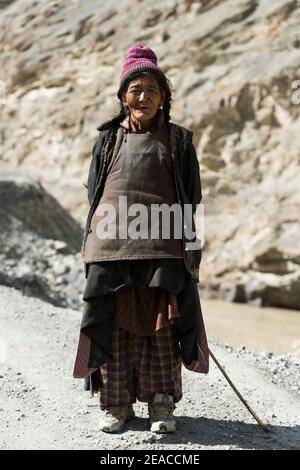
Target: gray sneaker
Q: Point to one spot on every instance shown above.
(161, 413)
(113, 418)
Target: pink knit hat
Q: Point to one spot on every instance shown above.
(139, 58)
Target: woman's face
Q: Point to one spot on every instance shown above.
(143, 98)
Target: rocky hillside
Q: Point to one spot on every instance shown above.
(234, 66)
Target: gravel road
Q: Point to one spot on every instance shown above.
(43, 407)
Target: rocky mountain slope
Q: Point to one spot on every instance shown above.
(234, 66)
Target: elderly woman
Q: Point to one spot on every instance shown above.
(142, 316)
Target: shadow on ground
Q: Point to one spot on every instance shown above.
(211, 432)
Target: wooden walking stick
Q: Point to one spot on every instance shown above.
(264, 426)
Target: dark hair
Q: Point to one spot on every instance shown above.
(164, 85)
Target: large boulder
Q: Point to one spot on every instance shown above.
(39, 242)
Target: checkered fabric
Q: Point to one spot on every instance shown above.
(142, 366)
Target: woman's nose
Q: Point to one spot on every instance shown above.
(143, 98)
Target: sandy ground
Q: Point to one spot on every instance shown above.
(43, 407)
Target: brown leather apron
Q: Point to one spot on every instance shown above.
(142, 171)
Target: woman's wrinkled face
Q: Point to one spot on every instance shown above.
(143, 97)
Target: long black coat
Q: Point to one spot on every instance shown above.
(190, 325)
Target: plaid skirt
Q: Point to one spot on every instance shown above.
(141, 367)
(145, 347)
